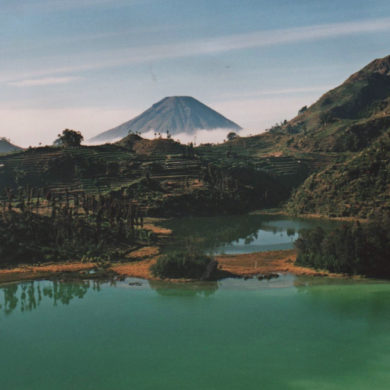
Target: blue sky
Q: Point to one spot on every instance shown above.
(93, 64)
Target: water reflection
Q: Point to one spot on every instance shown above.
(239, 233)
(204, 289)
(27, 296)
(338, 295)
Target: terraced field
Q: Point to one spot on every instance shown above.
(91, 169)
(161, 172)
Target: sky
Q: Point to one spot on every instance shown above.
(91, 65)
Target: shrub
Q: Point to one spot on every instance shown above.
(185, 264)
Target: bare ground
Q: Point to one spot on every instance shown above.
(260, 263)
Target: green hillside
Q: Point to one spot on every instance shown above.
(345, 119)
(359, 186)
(341, 139)
(162, 176)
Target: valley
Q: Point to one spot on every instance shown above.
(331, 160)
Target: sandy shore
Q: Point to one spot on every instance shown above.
(264, 263)
(244, 265)
(29, 272)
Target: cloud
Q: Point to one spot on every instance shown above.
(133, 55)
(200, 136)
(44, 81)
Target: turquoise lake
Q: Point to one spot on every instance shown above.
(287, 333)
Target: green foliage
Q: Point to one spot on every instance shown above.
(351, 248)
(69, 138)
(231, 136)
(358, 186)
(184, 264)
(302, 110)
(70, 226)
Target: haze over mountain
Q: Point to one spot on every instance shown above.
(176, 114)
(7, 147)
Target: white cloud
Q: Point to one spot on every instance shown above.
(133, 55)
(200, 136)
(44, 81)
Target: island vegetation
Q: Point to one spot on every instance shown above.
(190, 264)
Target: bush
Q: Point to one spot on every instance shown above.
(351, 248)
(185, 264)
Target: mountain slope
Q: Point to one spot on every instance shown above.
(176, 114)
(7, 147)
(347, 118)
(359, 186)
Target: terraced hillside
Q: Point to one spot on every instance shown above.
(88, 168)
(164, 176)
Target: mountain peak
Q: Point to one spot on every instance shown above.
(380, 66)
(176, 114)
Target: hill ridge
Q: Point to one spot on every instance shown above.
(6, 146)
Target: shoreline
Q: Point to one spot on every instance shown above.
(137, 263)
(262, 264)
(309, 216)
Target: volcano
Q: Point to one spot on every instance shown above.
(176, 114)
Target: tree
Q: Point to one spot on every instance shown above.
(232, 135)
(302, 110)
(69, 138)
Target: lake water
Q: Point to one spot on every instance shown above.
(288, 333)
(240, 233)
